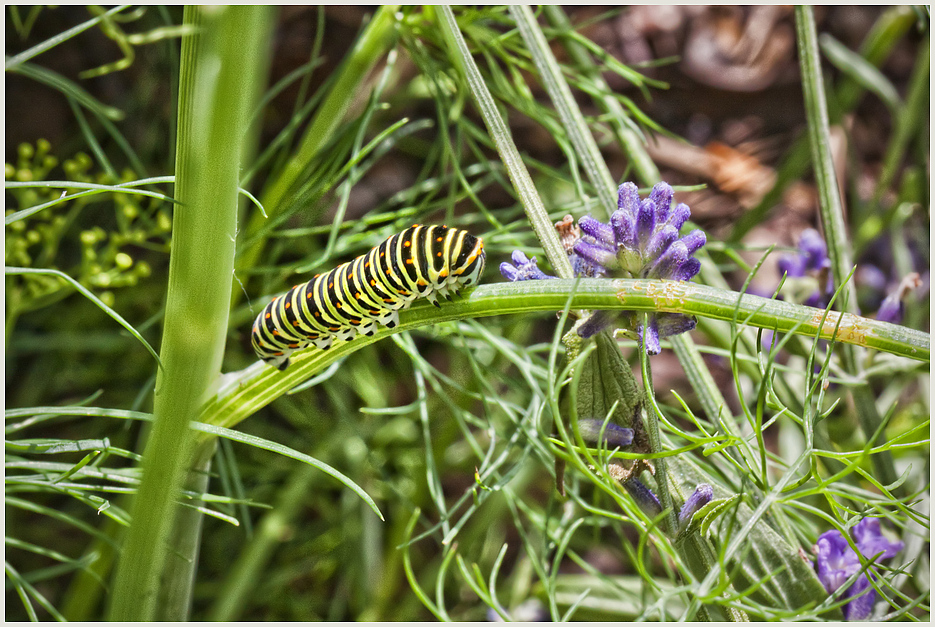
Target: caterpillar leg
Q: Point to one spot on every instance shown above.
(280, 362)
(323, 342)
(345, 333)
(389, 319)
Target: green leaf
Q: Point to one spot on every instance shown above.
(606, 379)
(860, 70)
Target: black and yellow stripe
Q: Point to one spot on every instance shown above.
(420, 262)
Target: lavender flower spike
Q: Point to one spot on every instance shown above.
(641, 242)
(837, 562)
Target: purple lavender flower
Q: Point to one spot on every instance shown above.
(641, 242)
(837, 561)
(808, 271)
(644, 497)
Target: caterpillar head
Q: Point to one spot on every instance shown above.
(468, 265)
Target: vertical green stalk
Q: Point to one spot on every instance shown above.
(832, 219)
(651, 422)
(911, 118)
(816, 110)
(221, 74)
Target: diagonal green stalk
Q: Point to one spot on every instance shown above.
(568, 110)
(630, 140)
(535, 210)
(816, 109)
(222, 72)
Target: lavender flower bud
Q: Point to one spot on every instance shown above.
(628, 198)
(614, 435)
(643, 496)
(699, 498)
(679, 215)
(595, 253)
(661, 195)
(660, 240)
(645, 221)
(601, 232)
(814, 249)
(669, 262)
(891, 309)
(669, 324)
(624, 225)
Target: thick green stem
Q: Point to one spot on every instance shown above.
(222, 67)
(572, 119)
(247, 391)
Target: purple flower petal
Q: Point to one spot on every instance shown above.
(670, 324)
(509, 272)
(861, 607)
(679, 215)
(670, 261)
(595, 323)
(524, 270)
(813, 247)
(891, 309)
(624, 226)
(585, 267)
(791, 266)
(870, 540)
(519, 258)
(598, 230)
(687, 270)
(596, 253)
(694, 240)
(837, 562)
(660, 240)
(628, 199)
(645, 222)
(661, 195)
(614, 435)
